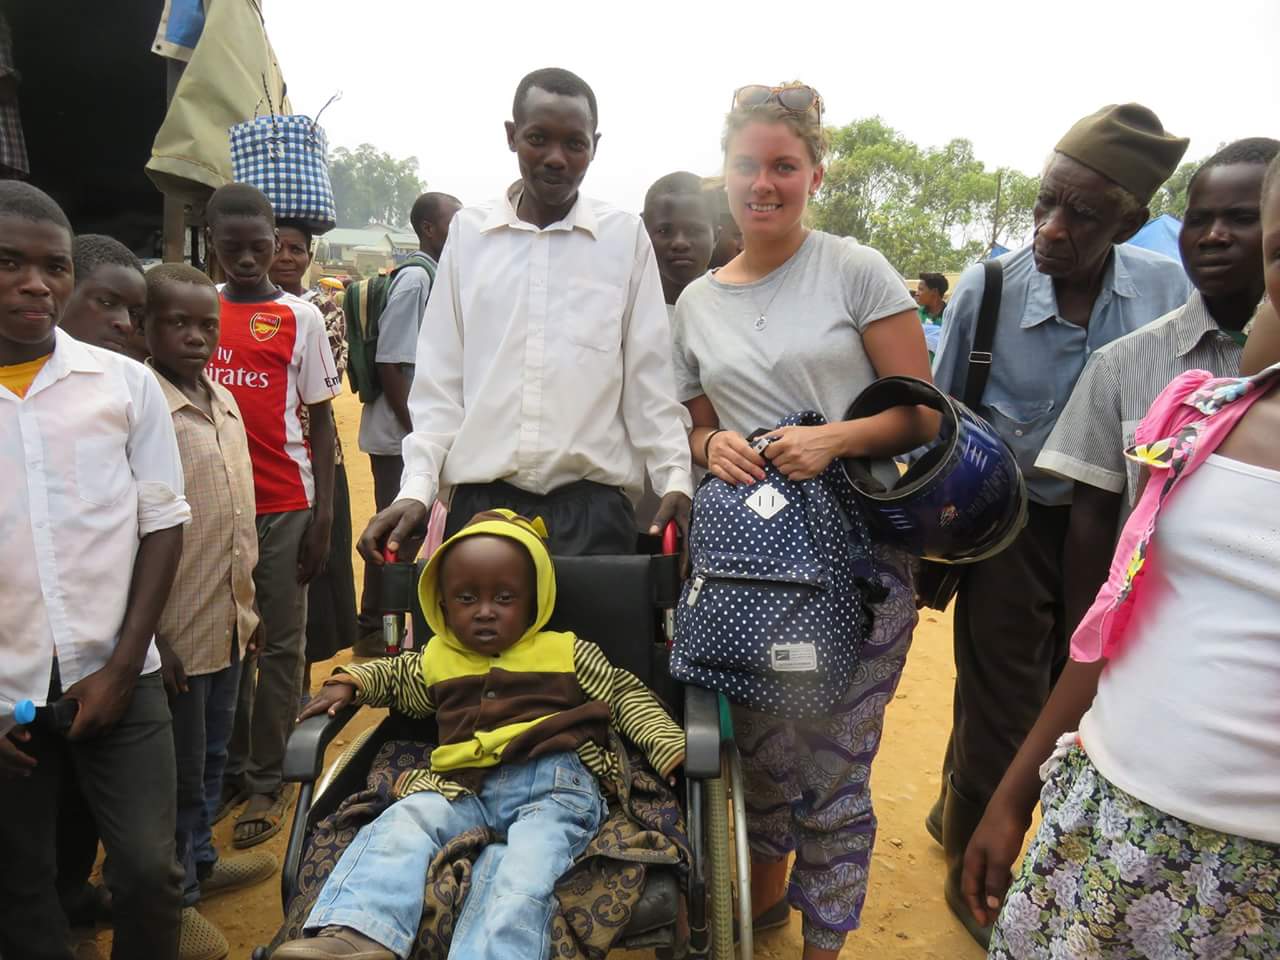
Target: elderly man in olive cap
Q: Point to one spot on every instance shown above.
(1075, 287)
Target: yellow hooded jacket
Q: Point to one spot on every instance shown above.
(547, 693)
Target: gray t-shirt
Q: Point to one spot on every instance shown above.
(807, 356)
(380, 432)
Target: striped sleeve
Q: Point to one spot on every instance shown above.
(634, 710)
(395, 682)
(1087, 443)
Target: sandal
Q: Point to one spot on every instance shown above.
(272, 816)
(231, 798)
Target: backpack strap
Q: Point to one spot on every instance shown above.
(984, 334)
(413, 260)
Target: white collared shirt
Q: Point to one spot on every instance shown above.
(90, 466)
(545, 358)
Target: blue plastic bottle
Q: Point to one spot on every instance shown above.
(15, 714)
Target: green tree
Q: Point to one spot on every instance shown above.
(924, 208)
(1171, 198)
(371, 185)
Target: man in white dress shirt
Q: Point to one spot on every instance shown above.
(544, 380)
(91, 532)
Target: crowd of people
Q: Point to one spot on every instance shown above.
(557, 371)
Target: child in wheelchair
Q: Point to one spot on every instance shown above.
(523, 715)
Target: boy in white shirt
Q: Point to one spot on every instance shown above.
(91, 533)
(544, 381)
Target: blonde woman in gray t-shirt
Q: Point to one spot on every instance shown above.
(803, 320)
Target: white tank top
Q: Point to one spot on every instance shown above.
(1187, 717)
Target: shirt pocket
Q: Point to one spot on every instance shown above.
(1024, 425)
(102, 469)
(592, 316)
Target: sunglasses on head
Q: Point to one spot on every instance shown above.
(799, 99)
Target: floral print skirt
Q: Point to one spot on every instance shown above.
(1109, 877)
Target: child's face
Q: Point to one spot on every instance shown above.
(105, 305)
(487, 592)
(245, 248)
(36, 279)
(182, 329)
(769, 177)
(1271, 243)
(554, 142)
(292, 259)
(1221, 236)
(683, 236)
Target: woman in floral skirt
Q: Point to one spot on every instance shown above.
(1161, 829)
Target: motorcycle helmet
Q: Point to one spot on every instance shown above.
(961, 500)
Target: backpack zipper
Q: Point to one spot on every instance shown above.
(695, 588)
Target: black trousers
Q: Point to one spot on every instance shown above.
(129, 781)
(582, 518)
(331, 597)
(1010, 645)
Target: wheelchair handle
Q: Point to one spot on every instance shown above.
(670, 539)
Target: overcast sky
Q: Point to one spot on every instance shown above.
(434, 80)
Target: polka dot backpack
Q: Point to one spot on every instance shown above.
(777, 604)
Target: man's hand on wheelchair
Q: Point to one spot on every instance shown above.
(674, 506)
(403, 521)
(333, 696)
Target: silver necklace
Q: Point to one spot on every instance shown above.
(762, 318)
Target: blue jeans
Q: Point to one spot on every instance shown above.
(202, 720)
(549, 809)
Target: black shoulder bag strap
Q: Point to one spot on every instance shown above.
(936, 583)
(975, 383)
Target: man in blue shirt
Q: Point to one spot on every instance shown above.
(1074, 288)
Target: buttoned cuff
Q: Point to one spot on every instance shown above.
(674, 480)
(418, 487)
(160, 508)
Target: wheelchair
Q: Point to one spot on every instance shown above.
(624, 604)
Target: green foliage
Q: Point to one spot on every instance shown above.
(924, 208)
(370, 185)
(1171, 198)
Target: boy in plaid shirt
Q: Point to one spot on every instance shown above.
(210, 620)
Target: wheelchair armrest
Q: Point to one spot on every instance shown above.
(304, 753)
(702, 733)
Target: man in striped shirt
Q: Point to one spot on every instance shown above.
(1221, 247)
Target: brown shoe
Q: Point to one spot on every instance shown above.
(333, 942)
(200, 939)
(240, 870)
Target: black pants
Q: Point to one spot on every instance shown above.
(386, 484)
(331, 597)
(582, 518)
(1010, 645)
(128, 778)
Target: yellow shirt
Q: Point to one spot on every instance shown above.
(18, 377)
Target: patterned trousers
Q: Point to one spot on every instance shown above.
(808, 782)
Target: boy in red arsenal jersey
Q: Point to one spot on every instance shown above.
(273, 357)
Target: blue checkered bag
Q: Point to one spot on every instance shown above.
(287, 158)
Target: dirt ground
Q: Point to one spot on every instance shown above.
(904, 915)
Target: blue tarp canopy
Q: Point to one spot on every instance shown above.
(1160, 235)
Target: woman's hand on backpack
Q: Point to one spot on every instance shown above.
(403, 521)
(801, 453)
(731, 458)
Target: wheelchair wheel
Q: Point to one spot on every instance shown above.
(720, 882)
